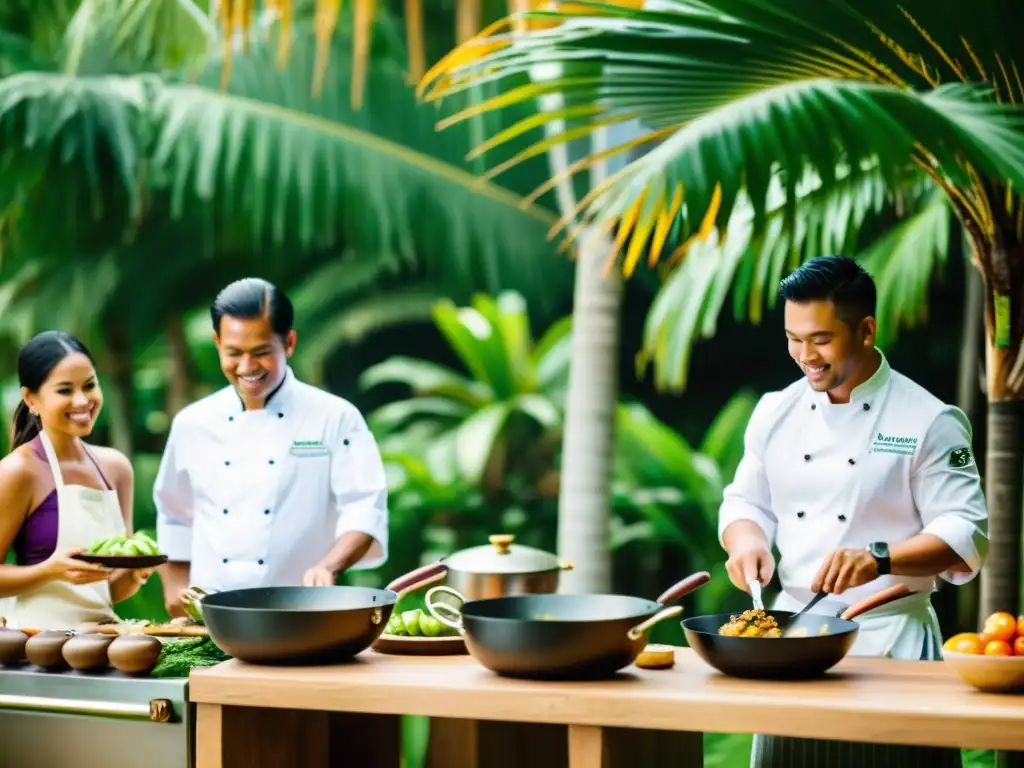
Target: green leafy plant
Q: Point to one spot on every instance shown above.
(501, 417)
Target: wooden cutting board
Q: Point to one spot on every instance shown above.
(159, 630)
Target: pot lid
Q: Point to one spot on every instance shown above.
(502, 556)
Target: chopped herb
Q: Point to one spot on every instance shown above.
(179, 657)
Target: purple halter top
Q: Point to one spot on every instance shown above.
(37, 538)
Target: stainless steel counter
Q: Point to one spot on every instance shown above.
(53, 720)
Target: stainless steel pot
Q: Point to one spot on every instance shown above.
(503, 568)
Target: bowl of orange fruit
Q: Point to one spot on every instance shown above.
(991, 660)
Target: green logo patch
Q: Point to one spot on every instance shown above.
(960, 457)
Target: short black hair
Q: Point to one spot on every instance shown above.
(254, 297)
(838, 279)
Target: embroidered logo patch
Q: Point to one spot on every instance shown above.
(960, 457)
(894, 444)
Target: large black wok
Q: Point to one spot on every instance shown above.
(824, 642)
(558, 636)
(305, 625)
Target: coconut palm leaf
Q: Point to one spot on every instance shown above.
(131, 36)
(737, 90)
(267, 167)
(827, 219)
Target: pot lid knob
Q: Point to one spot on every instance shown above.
(502, 542)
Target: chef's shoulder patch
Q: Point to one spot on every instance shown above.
(960, 457)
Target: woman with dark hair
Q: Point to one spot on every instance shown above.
(58, 495)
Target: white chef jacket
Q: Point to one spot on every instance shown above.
(256, 498)
(892, 463)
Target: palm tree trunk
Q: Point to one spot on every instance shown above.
(179, 367)
(1004, 477)
(588, 445)
(118, 365)
(968, 399)
(584, 508)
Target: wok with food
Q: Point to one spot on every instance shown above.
(781, 645)
(559, 636)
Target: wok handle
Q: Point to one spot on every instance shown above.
(437, 608)
(684, 587)
(895, 592)
(418, 579)
(635, 633)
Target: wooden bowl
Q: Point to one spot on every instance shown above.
(992, 674)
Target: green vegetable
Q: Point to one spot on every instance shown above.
(179, 657)
(411, 620)
(395, 626)
(121, 545)
(416, 623)
(430, 626)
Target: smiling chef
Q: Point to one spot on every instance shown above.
(269, 481)
(862, 479)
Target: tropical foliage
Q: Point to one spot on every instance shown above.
(515, 389)
(739, 96)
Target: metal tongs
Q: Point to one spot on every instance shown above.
(755, 594)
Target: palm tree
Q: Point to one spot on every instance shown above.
(262, 167)
(746, 97)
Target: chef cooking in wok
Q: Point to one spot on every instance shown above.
(862, 479)
(269, 481)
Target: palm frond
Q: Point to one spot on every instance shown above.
(273, 170)
(737, 90)
(903, 263)
(827, 219)
(131, 36)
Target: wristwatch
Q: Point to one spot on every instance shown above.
(880, 551)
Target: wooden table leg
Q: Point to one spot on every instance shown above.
(593, 747)
(209, 736)
(587, 746)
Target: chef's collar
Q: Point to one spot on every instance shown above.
(870, 388)
(277, 396)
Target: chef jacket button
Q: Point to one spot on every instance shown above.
(867, 406)
(813, 406)
(280, 415)
(231, 418)
(225, 511)
(271, 461)
(345, 441)
(227, 463)
(852, 462)
(260, 562)
(224, 560)
(842, 518)
(266, 511)
(807, 457)
(801, 513)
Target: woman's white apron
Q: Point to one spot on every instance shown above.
(85, 515)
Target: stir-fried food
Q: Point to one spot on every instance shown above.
(805, 632)
(752, 623)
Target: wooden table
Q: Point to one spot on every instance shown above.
(243, 711)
